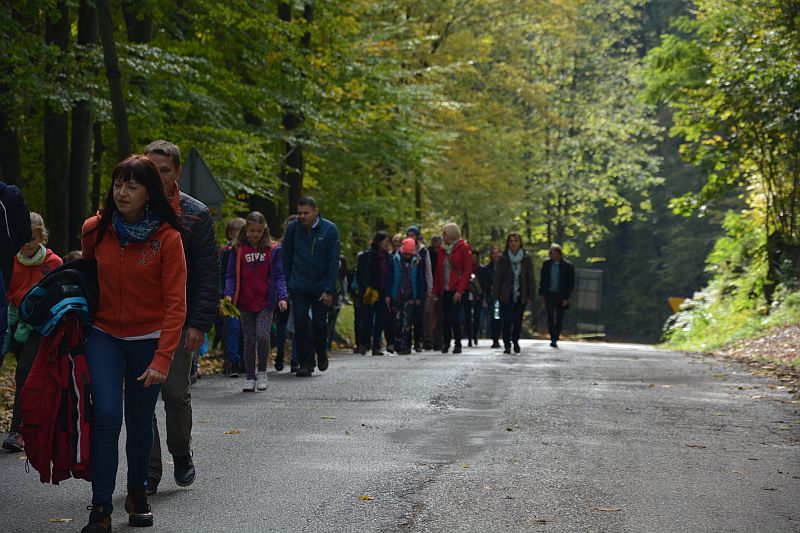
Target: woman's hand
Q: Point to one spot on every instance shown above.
(283, 305)
(152, 377)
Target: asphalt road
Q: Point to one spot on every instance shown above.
(591, 437)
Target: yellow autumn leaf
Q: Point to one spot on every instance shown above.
(232, 432)
(366, 498)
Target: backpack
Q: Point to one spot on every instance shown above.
(70, 288)
(56, 406)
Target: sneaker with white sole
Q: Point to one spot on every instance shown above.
(249, 386)
(261, 381)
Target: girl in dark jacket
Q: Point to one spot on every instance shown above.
(514, 286)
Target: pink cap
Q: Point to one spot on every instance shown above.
(409, 246)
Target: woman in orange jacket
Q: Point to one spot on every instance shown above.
(141, 268)
(454, 268)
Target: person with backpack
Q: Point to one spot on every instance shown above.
(514, 287)
(136, 241)
(33, 262)
(15, 231)
(453, 270)
(256, 286)
(423, 306)
(407, 291)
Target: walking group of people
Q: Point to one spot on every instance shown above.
(158, 285)
(419, 297)
(160, 276)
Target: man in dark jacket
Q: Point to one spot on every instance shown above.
(311, 264)
(555, 288)
(15, 231)
(202, 298)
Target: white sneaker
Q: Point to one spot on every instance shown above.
(261, 381)
(249, 386)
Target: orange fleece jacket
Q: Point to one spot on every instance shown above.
(142, 286)
(25, 277)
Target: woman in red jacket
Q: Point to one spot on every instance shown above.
(141, 269)
(454, 267)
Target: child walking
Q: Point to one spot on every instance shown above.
(231, 326)
(408, 288)
(31, 264)
(256, 285)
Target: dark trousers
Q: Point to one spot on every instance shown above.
(511, 314)
(451, 318)
(555, 314)
(417, 324)
(472, 318)
(301, 303)
(373, 320)
(403, 317)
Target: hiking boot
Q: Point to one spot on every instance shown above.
(184, 470)
(507, 348)
(249, 386)
(295, 369)
(377, 352)
(151, 486)
(278, 364)
(322, 362)
(261, 381)
(457, 348)
(139, 514)
(99, 520)
(233, 370)
(14, 442)
(517, 349)
(469, 343)
(445, 348)
(495, 344)
(304, 372)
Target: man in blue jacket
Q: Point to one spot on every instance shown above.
(311, 264)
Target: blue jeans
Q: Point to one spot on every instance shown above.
(232, 332)
(112, 362)
(301, 303)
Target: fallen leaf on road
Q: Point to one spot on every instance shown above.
(366, 498)
(464, 466)
(738, 472)
(202, 421)
(719, 376)
(607, 509)
(509, 498)
(509, 429)
(328, 417)
(543, 520)
(695, 446)
(232, 432)
(768, 488)
(61, 520)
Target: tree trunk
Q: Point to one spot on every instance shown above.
(9, 153)
(114, 76)
(97, 160)
(293, 167)
(56, 144)
(81, 149)
(138, 21)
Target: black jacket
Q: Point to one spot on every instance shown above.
(15, 227)
(566, 279)
(202, 264)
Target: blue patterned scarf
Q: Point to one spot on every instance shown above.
(138, 231)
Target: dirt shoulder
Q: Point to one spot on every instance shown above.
(776, 352)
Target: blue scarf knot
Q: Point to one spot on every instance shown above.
(137, 231)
